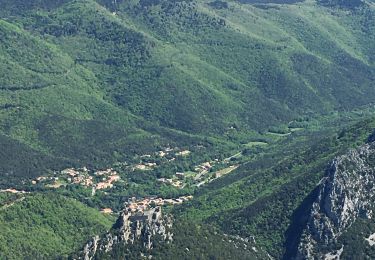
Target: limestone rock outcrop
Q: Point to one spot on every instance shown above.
(131, 228)
(345, 194)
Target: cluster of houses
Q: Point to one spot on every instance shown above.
(143, 204)
(105, 179)
(50, 180)
(147, 165)
(179, 180)
(204, 167)
(183, 153)
(166, 151)
(176, 183)
(200, 175)
(98, 180)
(79, 176)
(108, 178)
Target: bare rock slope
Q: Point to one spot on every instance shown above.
(346, 194)
(131, 228)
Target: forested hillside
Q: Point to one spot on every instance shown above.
(269, 197)
(45, 226)
(130, 67)
(232, 108)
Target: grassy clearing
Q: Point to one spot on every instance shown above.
(253, 144)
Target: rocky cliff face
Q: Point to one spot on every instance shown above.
(129, 229)
(346, 194)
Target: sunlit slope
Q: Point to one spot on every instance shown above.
(57, 108)
(252, 66)
(45, 226)
(200, 67)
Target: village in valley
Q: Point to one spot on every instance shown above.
(121, 178)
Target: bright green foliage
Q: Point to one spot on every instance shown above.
(269, 197)
(126, 68)
(40, 226)
(190, 241)
(92, 83)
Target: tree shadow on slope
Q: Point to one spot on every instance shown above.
(299, 220)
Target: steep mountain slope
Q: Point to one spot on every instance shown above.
(41, 84)
(186, 65)
(269, 198)
(264, 206)
(54, 106)
(18, 160)
(93, 83)
(156, 235)
(40, 226)
(345, 195)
